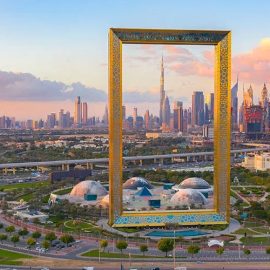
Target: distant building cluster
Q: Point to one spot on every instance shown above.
(175, 118)
(254, 119)
(251, 119)
(62, 120)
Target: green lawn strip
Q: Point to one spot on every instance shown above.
(63, 191)
(25, 185)
(262, 230)
(12, 258)
(251, 224)
(256, 240)
(128, 230)
(245, 230)
(95, 253)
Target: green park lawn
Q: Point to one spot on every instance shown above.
(95, 253)
(247, 231)
(25, 185)
(256, 240)
(63, 191)
(128, 230)
(82, 226)
(12, 258)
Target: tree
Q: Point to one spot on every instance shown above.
(10, 229)
(46, 244)
(267, 250)
(3, 237)
(143, 248)
(31, 242)
(247, 251)
(15, 239)
(66, 238)
(23, 232)
(193, 249)
(220, 250)
(121, 245)
(1, 225)
(103, 244)
(50, 236)
(165, 245)
(36, 234)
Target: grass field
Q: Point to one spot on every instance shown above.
(129, 230)
(245, 230)
(12, 258)
(95, 253)
(256, 240)
(82, 226)
(25, 185)
(63, 191)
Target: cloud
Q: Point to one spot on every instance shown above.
(26, 87)
(254, 66)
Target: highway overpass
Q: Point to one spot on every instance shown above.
(64, 164)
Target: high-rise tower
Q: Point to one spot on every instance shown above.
(197, 108)
(166, 110)
(84, 113)
(234, 105)
(78, 112)
(264, 96)
(162, 92)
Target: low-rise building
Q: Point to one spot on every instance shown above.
(257, 162)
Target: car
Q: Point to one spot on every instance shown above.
(44, 268)
(88, 268)
(156, 268)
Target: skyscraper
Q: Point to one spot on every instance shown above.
(84, 113)
(147, 120)
(197, 108)
(106, 116)
(135, 115)
(209, 107)
(264, 96)
(178, 116)
(166, 110)
(162, 92)
(78, 112)
(61, 119)
(124, 113)
(234, 104)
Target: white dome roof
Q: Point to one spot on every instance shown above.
(136, 182)
(187, 197)
(88, 187)
(194, 183)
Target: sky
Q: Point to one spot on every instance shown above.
(51, 51)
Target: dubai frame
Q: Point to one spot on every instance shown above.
(220, 213)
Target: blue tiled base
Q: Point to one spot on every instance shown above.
(158, 220)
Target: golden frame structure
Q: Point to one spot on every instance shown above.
(222, 126)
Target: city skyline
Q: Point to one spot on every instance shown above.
(84, 57)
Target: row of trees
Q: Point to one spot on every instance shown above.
(32, 239)
(166, 245)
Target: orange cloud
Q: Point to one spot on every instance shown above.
(254, 66)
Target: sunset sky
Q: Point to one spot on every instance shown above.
(63, 48)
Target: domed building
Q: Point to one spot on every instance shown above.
(188, 197)
(88, 187)
(196, 183)
(137, 182)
